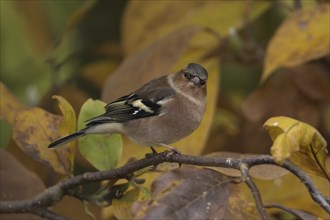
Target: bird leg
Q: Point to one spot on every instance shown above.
(173, 149)
(153, 150)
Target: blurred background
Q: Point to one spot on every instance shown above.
(104, 49)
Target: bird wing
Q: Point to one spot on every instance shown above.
(142, 103)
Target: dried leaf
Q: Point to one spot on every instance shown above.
(102, 151)
(9, 105)
(194, 193)
(122, 207)
(301, 38)
(12, 187)
(67, 125)
(300, 142)
(263, 171)
(294, 92)
(33, 130)
(149, 63)
(288, 190)
(150, 20)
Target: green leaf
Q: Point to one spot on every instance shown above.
(102, 151)
(299, 142)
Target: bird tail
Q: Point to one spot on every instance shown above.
(67, 139)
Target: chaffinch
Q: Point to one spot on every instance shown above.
(159, 113)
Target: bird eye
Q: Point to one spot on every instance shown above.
(187, 75)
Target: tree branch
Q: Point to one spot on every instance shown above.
(254, 189)
(55, 193)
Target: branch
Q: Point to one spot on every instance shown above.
(254, 189)
(55, 193)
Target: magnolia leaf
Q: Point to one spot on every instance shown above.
(304, 36)
(12, 187)
(299, 142)
(33, 130)
(262, 172)
(194, 193)
(150, 20)
(68, 124)
(9, 105)
(122, 207)
(102, 151)
(289, 191)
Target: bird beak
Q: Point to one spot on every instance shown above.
(198, 81)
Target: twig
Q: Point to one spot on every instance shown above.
(307, 181)
(254, 189)
(55, 193)
(45, 213)
(293, 212)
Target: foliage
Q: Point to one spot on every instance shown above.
(268, 64)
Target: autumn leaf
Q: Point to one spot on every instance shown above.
(289, 191)
(122, 207)
(304, 36)
(9, 105)
(262, 172)
(299, 142)
(194, 193)
(33, 130)
(102, 151)
(17, 183)
(68, 125)
(150, 20)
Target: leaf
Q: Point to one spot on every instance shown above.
(150, 21)
(194, 193)
(33, 130)
(263, 171)
(9, 105)
(67, 125)
(296, 92)
(299, 142)
(304, 36)
(12, 187)
(289, 191)
(149, 63)
(122, 207)
(102, 151)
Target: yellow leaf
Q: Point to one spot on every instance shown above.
(122, 207)
(68, 124)
(304, 36)
(33, 130)
(150, 20)
(299, 142)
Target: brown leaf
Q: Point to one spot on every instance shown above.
(149, 63)
(38, 30)
(33, 131)
(194, 193)
(304, 36)
(294, 92)
(263, 172)
(122, 207)
(150, 20)
(17, 183)
(9, 105)
(289, 191)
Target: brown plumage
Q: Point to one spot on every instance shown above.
(159, 113)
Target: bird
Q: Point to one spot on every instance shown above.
(159, 113)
